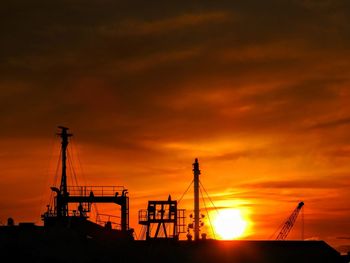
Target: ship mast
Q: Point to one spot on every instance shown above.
(63, 187)
(196, 173)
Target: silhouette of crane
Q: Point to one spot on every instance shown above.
(288, 225)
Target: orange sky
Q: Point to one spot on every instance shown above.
(258, 91)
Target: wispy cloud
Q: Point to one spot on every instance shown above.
(331, 124)
(169, 25)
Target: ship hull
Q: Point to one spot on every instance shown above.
(42, 244)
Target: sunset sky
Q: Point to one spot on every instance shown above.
(258, 91)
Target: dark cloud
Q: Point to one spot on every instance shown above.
(331, 124)
(107, 40)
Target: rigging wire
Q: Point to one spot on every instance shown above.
(205, 206)
(208, 196)
(70, 161)
(75, 146)
(178, 202)
(47, 174)
(211, 226)
(73, 178)
(302, 223)
(55, 179)
(76, 153)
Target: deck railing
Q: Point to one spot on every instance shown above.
(96, 190)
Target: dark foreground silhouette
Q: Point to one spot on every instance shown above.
(37, 244)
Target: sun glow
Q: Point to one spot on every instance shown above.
(229, 224)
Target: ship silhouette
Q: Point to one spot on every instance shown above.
(68, 235)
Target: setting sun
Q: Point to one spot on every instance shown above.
(229, 224)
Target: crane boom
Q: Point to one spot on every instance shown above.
(289, 223)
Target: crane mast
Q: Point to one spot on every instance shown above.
(288, 225)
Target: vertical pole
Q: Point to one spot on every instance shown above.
(63, 187)
(196, 173)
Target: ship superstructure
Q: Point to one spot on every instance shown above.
(59, 213)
